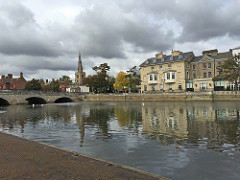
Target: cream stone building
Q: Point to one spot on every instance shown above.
(180, 72)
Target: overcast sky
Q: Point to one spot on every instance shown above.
(42, 38)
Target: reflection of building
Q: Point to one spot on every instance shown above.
(180, 121)
(8, 82)
(80, 75)
(168, 120)
(183, 71)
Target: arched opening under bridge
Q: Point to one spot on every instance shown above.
(3, 102)
(36, 100)
(63, 100)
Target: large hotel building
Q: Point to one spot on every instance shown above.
(183, 71)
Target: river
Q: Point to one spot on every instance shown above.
(178, 140)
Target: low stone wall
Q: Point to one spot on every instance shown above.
(187, 96)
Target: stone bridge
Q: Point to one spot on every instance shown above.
(37, 97)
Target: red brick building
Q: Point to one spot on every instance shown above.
(8, 82)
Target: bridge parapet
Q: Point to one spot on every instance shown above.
(48, 93)
(36, 97)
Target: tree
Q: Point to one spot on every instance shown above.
(102, 69)
(230, 71)
(54, 86)
(101, 80)
(66, 79)
(133, 79)
(33, 85)
(121, 81)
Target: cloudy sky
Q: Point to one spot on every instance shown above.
(42, 38)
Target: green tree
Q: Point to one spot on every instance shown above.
(54, 86)
(121, 81)
(230, 71)
(101, 80)
(33, 85)
(133, 79)
(66, 79)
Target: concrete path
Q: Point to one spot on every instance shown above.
(25, 159)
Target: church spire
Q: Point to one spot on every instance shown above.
(79, 75)
(80, 67)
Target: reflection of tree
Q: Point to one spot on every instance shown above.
(128, 115)
(99, 116)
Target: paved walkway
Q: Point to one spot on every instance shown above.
(25, 159)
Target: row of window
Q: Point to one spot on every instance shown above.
(161, 67)
(151, 77)
(161, 87)
(168, 76)
(205, 65)
(205, 75)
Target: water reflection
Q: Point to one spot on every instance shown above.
(216, 123)
(170, 139)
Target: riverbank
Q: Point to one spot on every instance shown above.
(25, 159)
(167, 96)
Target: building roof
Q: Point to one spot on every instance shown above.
(217, 57)
(166, 59)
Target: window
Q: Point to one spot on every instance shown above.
(219, 83)
(160, 67)
(170, 87)
(187, 75)
(180, 86)
(203, 86)
(204, 66)
(194, 76)
(168, 75)
(193, 66)
(204, 75)
(145, 88)
(173, 75)
(169, 65)
(155, 77)
(153, 87)
(209, 74)
(209, 65)
(161, 86)
(151, 78)
(189, 85)
(152, 68)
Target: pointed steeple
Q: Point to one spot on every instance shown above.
(80, 67)
(79, 75)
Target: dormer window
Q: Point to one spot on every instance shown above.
(180, 56)
(162, 59)
(171, 58)
(169, 65)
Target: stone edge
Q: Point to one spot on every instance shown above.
(90, 157)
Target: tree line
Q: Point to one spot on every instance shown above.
(100, 82)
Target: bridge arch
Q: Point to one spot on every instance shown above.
(4, 102)
(63, 100)
(36, 100)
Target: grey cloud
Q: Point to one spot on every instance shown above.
(200, 20)
(102, 32)
(21, 35)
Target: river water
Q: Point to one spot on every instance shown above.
(178, 140)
